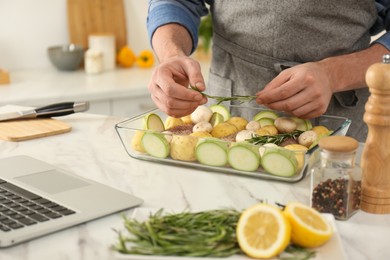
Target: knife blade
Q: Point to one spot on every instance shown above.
(57, 109)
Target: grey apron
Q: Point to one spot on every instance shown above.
(254, 39)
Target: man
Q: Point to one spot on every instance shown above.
(298, 56)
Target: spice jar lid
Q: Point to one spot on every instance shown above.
(338, 143)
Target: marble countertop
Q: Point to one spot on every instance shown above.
(93, 150)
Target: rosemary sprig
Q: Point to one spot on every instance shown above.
(275, 139)
(220, 99)
(293, 252)
(206, 233)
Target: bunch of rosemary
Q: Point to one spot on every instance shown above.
(275, 139)
(207, 233)
(219, 99)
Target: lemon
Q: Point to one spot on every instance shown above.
(263, 231)
(309, 227)
(126, 57)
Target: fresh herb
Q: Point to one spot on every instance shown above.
(201, 234)
(207, 233)
(293, 252)
(275, 139)
(219, 99)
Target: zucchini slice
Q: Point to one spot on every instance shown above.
(279, 162)
(221, 109)
(155, 144)
(265, 113)
(244, 157)
(211, 152)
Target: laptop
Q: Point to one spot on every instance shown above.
(37, 198)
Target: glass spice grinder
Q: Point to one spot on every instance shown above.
(336, 178)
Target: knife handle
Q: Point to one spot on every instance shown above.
(61, 109)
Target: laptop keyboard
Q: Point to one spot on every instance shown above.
(20, 208)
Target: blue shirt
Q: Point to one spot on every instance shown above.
(188, 13)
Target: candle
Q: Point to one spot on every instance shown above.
(105, 43)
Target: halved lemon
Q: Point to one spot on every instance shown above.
(309, 227)
(263, 231)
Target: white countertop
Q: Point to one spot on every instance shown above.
(93, 150)
(40, 86)
(46, 85)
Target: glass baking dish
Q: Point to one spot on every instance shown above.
(128, 129)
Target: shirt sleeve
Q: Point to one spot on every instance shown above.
(184, 12)
(382, 23)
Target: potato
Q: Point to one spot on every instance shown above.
(136, 141)
(300, 153)
(239, 122)
(271, 129)
(201, 134)
(183, 147)
(321, 130)
(187, 119)
(223, 129)
(171, 122)
(262, 132)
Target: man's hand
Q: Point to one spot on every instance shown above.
(304, 91)
(169, 86)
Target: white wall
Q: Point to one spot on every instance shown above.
(28, 27)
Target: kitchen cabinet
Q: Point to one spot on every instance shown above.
(130, 107)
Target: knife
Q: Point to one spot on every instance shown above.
(57, 109)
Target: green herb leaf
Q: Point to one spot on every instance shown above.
(208, 233)
(275, 139)
(201, 234)
(220, 99)
(293, 252)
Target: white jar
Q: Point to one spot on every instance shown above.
(93, 62)
(105, 43)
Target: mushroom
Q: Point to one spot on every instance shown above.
(201, 114)
(243, 135)
(307, 138)
(285, 124)
(202, 127)
(252, 125)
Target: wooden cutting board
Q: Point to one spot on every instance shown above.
(21, 130)
(87, 17)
